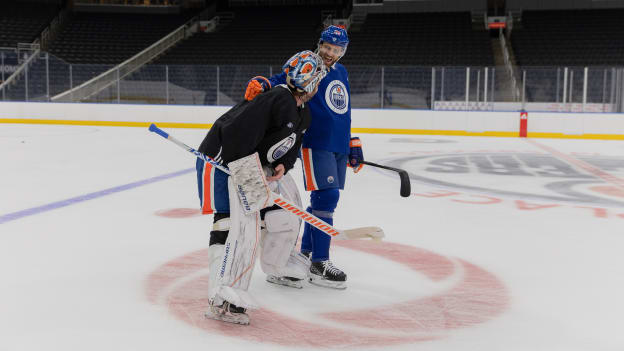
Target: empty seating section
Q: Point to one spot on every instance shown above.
(413, 39)
(255, 36)
(258, 38)
(420, 39)
(547, 41)
(213, 68)
(110, 38)
(570, 38)
(23, 22)
(269, 36)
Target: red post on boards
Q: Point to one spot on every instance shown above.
(524, 121)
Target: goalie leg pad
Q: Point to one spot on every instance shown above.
(288, 189)
(238, 257)
(279, 257)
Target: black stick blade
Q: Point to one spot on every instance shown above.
(406, 187)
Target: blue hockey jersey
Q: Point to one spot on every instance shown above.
(330, 108)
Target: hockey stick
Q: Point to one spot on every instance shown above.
(374, 233)
(406, 188)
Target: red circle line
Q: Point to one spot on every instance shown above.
(477, 297)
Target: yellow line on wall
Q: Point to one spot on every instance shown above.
(354, 130)
(105, 123)
(432, 132)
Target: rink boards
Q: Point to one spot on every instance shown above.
(426, 122)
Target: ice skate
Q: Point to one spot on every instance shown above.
(324, 274)
(285, 281)
(227, 312)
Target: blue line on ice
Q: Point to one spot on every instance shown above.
(74, 200)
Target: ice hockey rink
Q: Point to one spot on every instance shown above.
(504, 244)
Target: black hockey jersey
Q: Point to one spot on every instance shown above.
(270, 124)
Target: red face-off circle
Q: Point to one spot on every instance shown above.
(178, 213)
(478, 296)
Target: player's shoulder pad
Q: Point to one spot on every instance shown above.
(340, 69)
(339, 66)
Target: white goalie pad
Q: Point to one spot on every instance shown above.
(279, 256)
(288, 189)
(250, 184)
(232, 266)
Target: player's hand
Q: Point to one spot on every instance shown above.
(356, 157)
(255, 86)
(278, 173)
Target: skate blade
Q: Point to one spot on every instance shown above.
(285, 282)
(328, 284)
(238, 319)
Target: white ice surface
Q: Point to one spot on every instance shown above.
(73, 278)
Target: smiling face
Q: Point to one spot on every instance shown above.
(330, 53)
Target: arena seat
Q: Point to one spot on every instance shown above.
(111, 38)
(23, 22)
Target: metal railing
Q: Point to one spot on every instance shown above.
(48, 34)
(590, 89)
(106, 79)
(28, 58)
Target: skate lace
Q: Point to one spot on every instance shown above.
(329, 267)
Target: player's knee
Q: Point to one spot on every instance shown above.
(220, 229)
(325, 200)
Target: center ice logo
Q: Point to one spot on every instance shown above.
(503, 174)
(336, 97)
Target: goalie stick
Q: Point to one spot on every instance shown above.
(374, 233)
(406, 188)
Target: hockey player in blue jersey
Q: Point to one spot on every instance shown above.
(326, 151)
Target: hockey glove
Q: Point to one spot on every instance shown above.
(355, 155)
(255, 86)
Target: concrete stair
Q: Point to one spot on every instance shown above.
(503, 86)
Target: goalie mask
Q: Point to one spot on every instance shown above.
(304, 71)
(338, 40)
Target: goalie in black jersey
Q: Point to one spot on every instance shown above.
(272, 125)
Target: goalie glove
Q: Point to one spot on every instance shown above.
(256, 86)
(355, 155)
(250, 183)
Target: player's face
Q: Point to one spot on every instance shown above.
(330, 53)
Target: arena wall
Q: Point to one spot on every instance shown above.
(468, 123)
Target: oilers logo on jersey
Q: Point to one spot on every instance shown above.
(336, 97)
(281, 148)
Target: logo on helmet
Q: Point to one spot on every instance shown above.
(335, 35)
